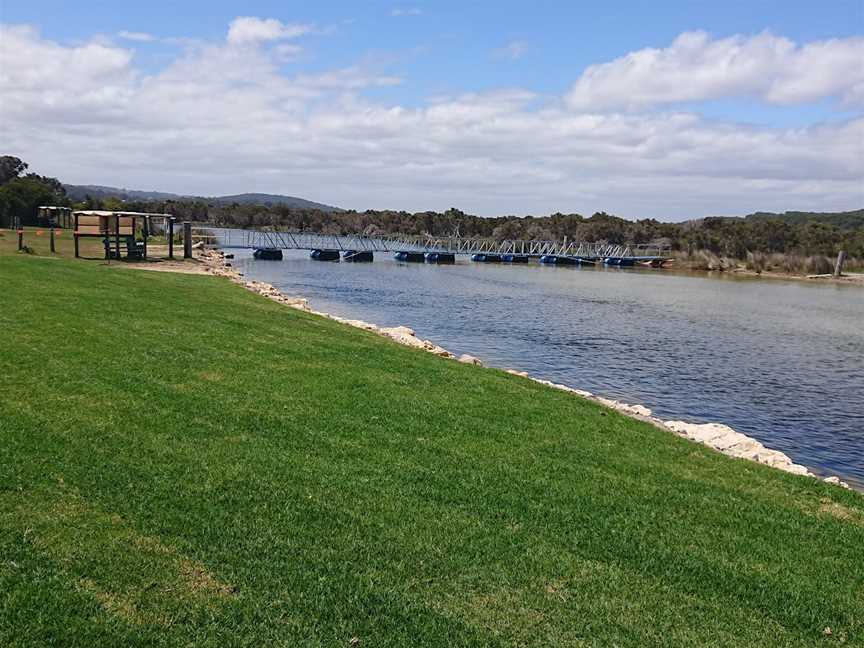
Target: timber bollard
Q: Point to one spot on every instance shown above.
(52, 241)
(187, 240)
(171, 238)
(20, 239)
(838, 267)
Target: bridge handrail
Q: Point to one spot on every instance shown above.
(288, 239)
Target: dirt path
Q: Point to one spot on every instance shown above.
(193, 266)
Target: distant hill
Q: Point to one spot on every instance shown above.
(269, 200)
(849, 220)
(80, 192)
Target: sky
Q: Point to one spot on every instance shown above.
(670, 110)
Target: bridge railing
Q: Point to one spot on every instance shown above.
(286, 240)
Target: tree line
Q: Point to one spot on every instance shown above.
(797, 233)
(729, 237)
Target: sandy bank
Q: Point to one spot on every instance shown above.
(847, 278)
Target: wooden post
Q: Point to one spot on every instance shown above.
(116, 236)
(75, 233)
(146, 233)
(20, 239)
(171, 238)
(838, 267)
(52, 240)
(187, 240)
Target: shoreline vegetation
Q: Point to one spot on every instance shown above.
(187, 462)
(770, 266)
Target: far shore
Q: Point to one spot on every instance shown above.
(845, 279)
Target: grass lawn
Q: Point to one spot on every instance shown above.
(186, 463)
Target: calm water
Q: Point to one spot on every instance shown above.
(782, 361)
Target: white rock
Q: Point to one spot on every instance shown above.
(638, 410)
(523, 374)
(406, 336)
(768, 457)
(398, 331)
(469, 359)
(795, 469)
(836, 481)
(408, 339)
(732, 440)
(701, 432)
(551, 384)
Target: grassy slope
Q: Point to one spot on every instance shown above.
(185, 462)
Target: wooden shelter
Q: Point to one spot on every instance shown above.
(116, 226)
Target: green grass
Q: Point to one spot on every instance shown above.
(186, 463)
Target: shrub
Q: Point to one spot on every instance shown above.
(819, 264)
(757, 261)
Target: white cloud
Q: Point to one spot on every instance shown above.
(514, 50)
(141, 37)
(696, 67)
(406, 11)
(40, 79)
(247, 30)
(286, 52)
(223, 118)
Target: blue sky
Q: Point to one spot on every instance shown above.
(451, 46)
(416, 55)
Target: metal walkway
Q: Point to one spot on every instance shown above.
(271, 239)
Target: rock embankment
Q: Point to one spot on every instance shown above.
(717, 436)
